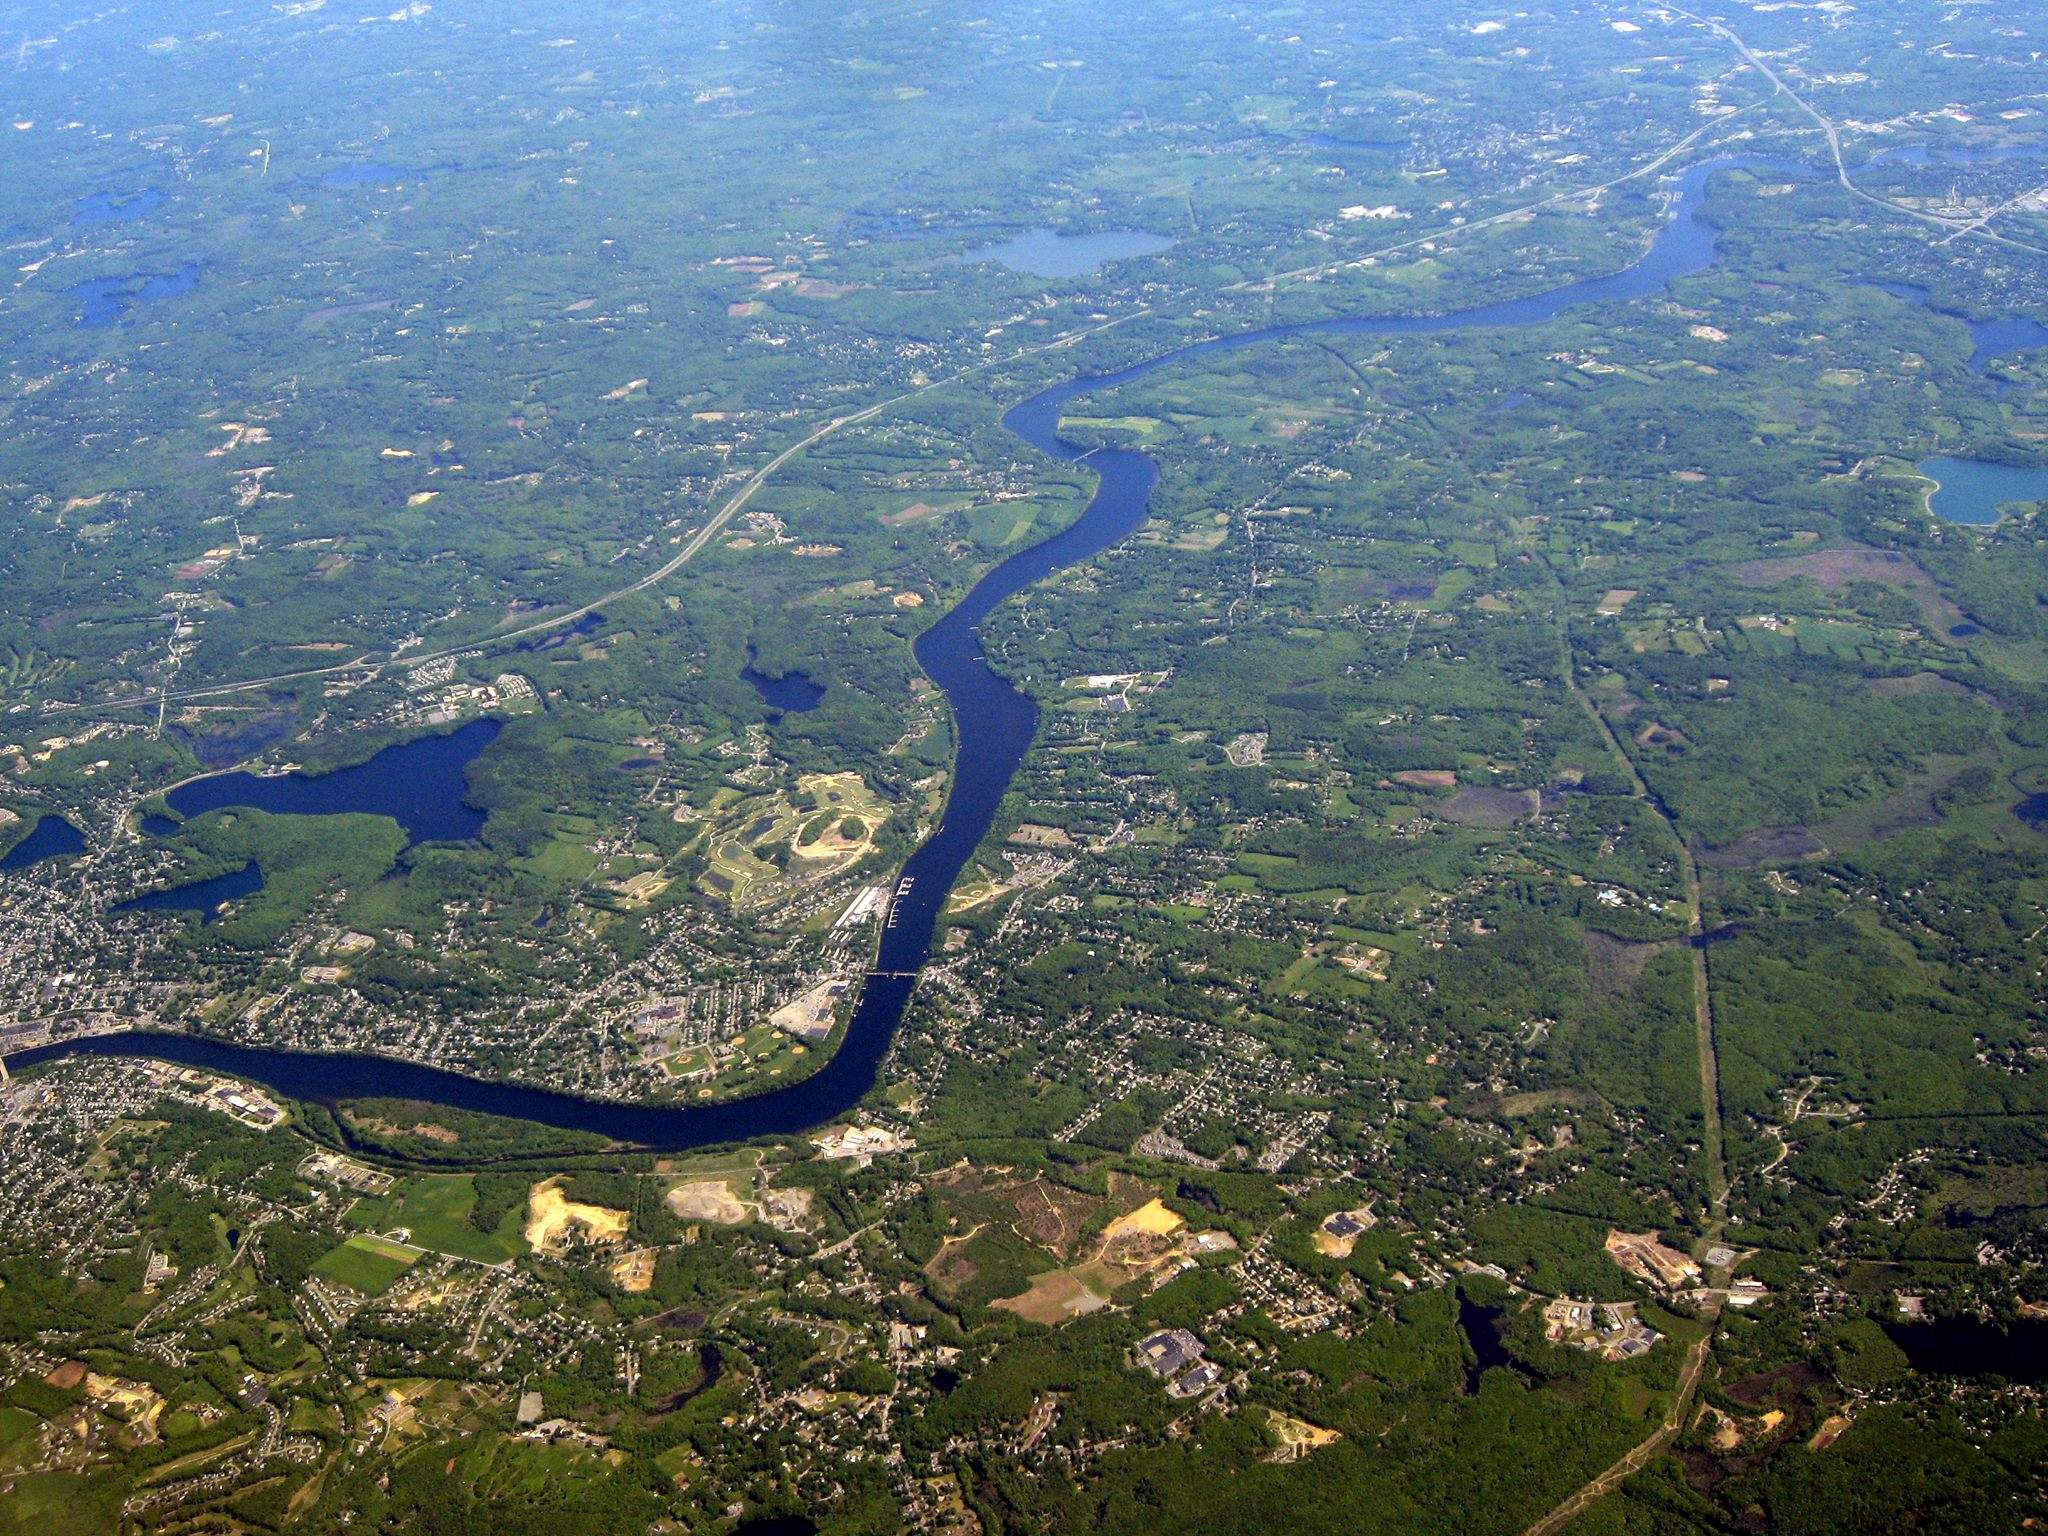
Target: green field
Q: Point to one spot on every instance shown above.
(436, 1209)
(367, 1264)
(59, 1504)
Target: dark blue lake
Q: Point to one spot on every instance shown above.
(2002, 338)
(50, 838)
(790, 694)
(1953, 1346)
(103, 300)
(1991, 339)
(98, 208)
(205, 897)
(419, 784)
(994, 726)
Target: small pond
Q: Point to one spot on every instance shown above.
(790, 694)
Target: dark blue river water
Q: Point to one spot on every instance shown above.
(994, 724)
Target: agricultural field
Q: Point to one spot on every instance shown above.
(371, 1265)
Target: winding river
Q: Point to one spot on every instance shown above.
(994, 726)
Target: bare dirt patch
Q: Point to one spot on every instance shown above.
(1426, 778)
(1054, 1297)
(1615, 964)
(1766, 845)
(1478, 806)
(554, 1221)
(1829, 1432)
(1297, 1437)
(633, 1272)
(915, 512)
(1833, 569)
(707, 1200)
(1152, 1219)
(1051, 1215)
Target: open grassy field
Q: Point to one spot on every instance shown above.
(436, 1210)
(61, 1504)
(367, 1264)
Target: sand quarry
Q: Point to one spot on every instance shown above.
(554, 1221)
(1297, 1437)
(1150, 1240)
(634, 1272)
(717, 1201)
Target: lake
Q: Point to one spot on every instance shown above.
(2001, 338)
(419, 784)
(1990, 339)
(790, 694)
(1048, 253)
(1970, 491)
(1954, 1346)
(103, 300)
(1481, 1327)
(205, 897)
(50, 838)
(97, 208)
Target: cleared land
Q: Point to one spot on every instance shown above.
(435, 1211)
(367, 1264)
(554, 1221)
